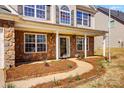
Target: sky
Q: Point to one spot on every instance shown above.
(114, 7)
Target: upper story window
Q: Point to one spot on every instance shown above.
(83, 18)
(29, 10)
(65, 15)
(37, 11)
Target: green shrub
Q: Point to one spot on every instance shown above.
(78, 77)
(69, 65)
(70, 78)
(55, 82)
(10, 86)
(46, 64)
(82, 55)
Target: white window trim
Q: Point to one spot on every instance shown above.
(3, 50)
(82, 41)
(83, 19)
(35, 15)
(60, 17)
(36, 43)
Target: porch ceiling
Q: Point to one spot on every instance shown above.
(26, 25)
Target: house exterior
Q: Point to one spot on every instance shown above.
(116, 30)
(42, 32)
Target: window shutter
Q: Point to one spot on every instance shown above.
(57, 14)
(72, 17)
(48, 12)
(90, 20)
(20, 9)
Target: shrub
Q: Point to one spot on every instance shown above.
(70, 78)
(82, 55)
(46, 64)
(69, 65)
(10, 86)
(55, 82)
(78, 77)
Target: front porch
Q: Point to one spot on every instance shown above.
(16, 27)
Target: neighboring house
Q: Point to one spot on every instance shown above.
(41, 32)
(116, 30)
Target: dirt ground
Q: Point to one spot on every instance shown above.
(114, 76)
(39, 69)
(71, 82)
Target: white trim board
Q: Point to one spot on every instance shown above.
(1, 48)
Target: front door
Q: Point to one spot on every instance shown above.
(64, 47)
(1, 48)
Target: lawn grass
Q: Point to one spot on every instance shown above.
(114, 76)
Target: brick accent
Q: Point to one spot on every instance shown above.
(73, 46)
(51, 47)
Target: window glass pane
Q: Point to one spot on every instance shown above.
(29, 38)
(40, 7)
(85, 22)
(41, 38)
(30, 6)
(85, 19)
(40, 11)
(85, 16)
(29, 10)
(79, 43)
(41, 47)
(79, 17)
(65, 15)
(40, 14)
(64, 7)
(30, 47)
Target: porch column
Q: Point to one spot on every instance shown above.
(104, 45)
(85, 46)
(57, 46)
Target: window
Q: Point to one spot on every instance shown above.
(40, 11)
(79, 17)
(37, 11)
(29, 10)
(41, 43)
(83, 18)
(81, 43)
(65, 15)
(35, 43)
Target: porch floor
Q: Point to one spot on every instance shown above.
(83, 67)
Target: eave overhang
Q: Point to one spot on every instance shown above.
(26, 25)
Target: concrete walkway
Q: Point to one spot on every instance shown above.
(2, 80)
(82, 68)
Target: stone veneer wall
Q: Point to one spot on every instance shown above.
(29, 57)
(9, 43)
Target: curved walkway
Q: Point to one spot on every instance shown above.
(83, 67)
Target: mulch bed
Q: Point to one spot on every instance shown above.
(26, 71)
(79, 79)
